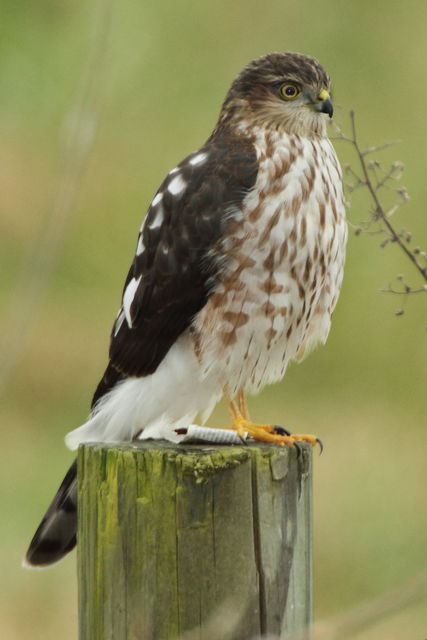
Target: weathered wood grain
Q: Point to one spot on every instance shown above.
(214, 539)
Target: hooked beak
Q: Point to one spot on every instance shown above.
(324, 104)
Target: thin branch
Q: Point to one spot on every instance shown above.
(370, 613)
(380, 213)
(404, 293)
(379, 147)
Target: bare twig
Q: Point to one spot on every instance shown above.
(404, 293)
(375, 179)
(380, 213)
(370, 613)
(342, 626)
(378, 180)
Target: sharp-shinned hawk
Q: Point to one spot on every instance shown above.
(237, 270)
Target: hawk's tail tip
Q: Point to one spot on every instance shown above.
(49, 546)
(33, 563)
(26, 563)
(56, 534)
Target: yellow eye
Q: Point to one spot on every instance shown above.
(289, 91)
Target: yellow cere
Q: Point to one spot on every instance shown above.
(323, 95)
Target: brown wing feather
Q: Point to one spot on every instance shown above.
(178, 269)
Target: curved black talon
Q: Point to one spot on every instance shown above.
(298, 448)
(281, 431)
(320, 443)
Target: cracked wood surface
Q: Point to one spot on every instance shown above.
(213, 539)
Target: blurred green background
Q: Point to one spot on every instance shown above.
(98, 100)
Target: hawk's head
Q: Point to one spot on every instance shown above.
(283, 91)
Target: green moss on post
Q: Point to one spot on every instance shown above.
(171, 536)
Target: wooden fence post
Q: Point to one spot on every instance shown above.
(194, 541)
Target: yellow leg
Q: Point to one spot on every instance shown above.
(243, 405)
(232, 407)
(261, 432)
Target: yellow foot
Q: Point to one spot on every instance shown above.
(263, 432)
(271, 433)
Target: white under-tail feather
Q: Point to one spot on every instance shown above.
(155, 405)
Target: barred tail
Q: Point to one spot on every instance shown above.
(56, 534)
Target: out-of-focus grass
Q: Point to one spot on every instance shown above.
(166, 71)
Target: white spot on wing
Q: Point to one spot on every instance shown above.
(199, 158)
(176, 185)
(128, 297)
(157, 220)
(174, 170)
(119, 322)
(140, 247)
(157, 199)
